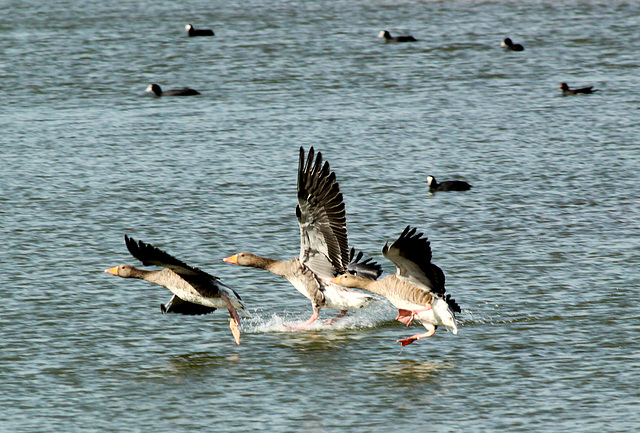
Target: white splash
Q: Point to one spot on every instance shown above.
(265, 322)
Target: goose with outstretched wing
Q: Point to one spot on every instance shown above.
(324, 247)
(194, 290)
(416, 289)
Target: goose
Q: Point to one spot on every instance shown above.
(185, 91)
(388, 38)
(194, 290)
(192, 31)
(324, 251)
(417, 288)
(584, 90)
(508, 44)
(447, 185)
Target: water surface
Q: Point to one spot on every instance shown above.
(542, 254)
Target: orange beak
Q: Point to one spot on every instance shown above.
(112, 271)
(233, 259)
(335, 280)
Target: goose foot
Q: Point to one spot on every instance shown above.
(234, 329)
(413, 338)
(407, 316)
(234, 321)
(312, 319)
(335, 319)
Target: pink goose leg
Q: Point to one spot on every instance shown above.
(413, 338)
(312, 319)
(332, 321)
(234, 321)
(407, 316)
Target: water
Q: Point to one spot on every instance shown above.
(542, 254)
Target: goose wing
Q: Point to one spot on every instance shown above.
(152, 256)
(321, 214)
(366, 268)
(411, 253)
(180, 306)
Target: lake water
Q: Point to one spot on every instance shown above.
(542, 254)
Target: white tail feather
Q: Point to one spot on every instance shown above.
(444, 315)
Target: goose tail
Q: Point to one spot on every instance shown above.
(444, 315)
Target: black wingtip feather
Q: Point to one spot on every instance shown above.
(141, 250)
(132, 246)
(318, 189)
(365, 269)
(453, 305)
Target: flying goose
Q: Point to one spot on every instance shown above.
(417, 289)
(324, 248)
(194, 290)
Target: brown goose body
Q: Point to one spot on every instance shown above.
(324, 248)
(300, 277)
(401, 294)
(203, 294)
(195, 291)
(321, 293)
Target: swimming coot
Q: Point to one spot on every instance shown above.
(185, 91)
(448, 185)
(192, 31)
(584, 90)
(388, 38)
(508, 43)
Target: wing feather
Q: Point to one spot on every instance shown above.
(180, 306)
(365, 268)
(322, 217)
(149, 255)
(411, 253)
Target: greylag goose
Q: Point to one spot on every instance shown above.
(417, 289)
(508, 44)
(194, 290)
(324, 251)
(388, 38)
(192, 31)
(447, 185)
(582, 91)
(185, 91)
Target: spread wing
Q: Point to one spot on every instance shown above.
(152, 256)
(321, 214)
(411, 253)
(366, 269)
